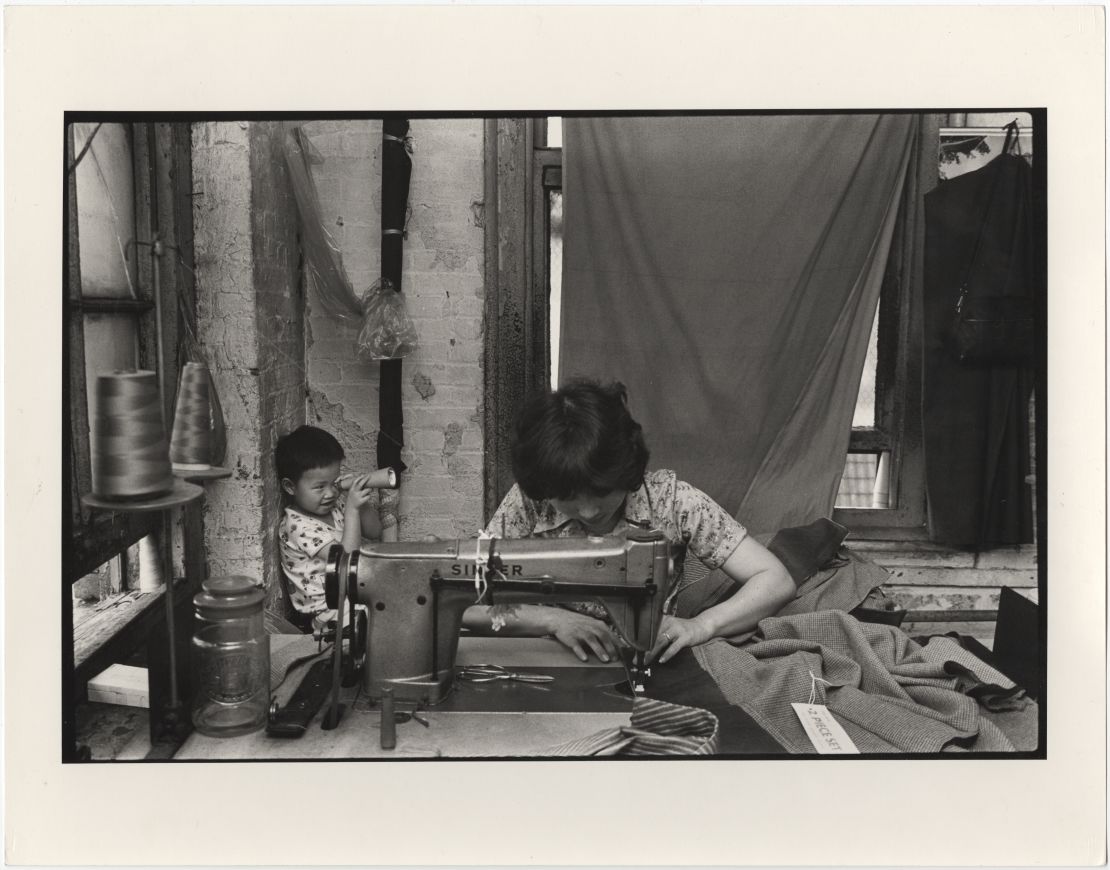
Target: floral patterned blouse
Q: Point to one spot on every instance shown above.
(304, 542)
(663, 502)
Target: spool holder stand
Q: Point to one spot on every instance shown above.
(173, 724)
(171, 728)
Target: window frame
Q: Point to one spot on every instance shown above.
(898, 426)
(161, 158)
(98, 536)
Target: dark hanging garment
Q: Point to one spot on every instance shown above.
(396, 174)
(978, 233)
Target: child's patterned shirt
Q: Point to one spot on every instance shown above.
(304, 542)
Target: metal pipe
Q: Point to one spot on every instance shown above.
(167, 555)
(156, 250)
(971, 132)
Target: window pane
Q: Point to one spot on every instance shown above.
(998, 119)
(864, 416)
(110, 344)
(96, 588)
(554, 133)
(105, 210)
(865, 482)
(555, 276)
(961, 153)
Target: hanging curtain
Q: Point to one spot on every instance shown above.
(976, 418)
(727, 270)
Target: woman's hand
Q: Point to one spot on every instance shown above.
(676, 634)
(580, 633)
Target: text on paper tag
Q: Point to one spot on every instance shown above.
(824, 732)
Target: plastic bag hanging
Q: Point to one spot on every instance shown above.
(387, 330)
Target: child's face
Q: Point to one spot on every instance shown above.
(596, 513)
(316, 491)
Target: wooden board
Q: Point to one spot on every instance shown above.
(125, 685)
(95, 631)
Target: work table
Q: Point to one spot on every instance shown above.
(493, 719)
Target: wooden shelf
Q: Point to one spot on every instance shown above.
(102, 636)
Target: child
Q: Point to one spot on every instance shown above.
(327, 508)
(580, 463)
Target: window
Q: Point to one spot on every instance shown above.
(882, 492)
(127, 186)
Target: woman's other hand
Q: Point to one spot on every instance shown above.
(582, 634)
(676, 634)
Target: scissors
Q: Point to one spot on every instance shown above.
(489, 673)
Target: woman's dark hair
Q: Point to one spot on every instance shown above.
(579, 439)
(304, 448)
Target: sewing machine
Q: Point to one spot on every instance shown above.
(415, 595)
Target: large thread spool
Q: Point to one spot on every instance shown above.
(130, 456)
(191, 442)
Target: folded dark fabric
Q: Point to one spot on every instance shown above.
(885, 690)
(813, 556)
(844, 585)
(806, 549)
(657, 728)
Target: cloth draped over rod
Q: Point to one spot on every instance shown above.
(727, 270)
(978, 229)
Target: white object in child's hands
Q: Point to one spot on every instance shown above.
(383, 478)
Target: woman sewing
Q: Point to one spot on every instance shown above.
(580, 463)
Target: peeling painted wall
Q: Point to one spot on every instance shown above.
(441, 493)
(250, 324)
(279, 321)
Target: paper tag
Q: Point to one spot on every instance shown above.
(824, 732)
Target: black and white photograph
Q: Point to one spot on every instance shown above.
(419, 445)
(614, 435)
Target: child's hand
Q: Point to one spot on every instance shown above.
(345, 480)
(359, 493)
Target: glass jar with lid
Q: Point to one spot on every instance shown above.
(230, 658)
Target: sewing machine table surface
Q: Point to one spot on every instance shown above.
(495, 719)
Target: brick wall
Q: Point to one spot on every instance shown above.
(441, 493)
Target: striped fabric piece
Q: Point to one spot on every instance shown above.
(878, 684)
(657, 728)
